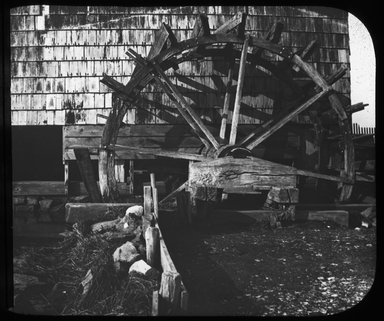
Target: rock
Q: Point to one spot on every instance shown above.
(45, 204)
(125, 255)
(142, 268)
(136, 210)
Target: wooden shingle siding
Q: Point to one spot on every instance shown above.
(59, 54)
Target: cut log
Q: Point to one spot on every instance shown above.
(228, 172)
(239, 93)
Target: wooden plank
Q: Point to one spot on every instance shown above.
(145, 142)
(279, 121)
(163, 153)
(86, 171)
(152, 242)
(20, 188)
(239, 93)
(94, 212)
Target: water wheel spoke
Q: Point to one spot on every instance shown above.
(239, 93)
(193, 120)
(271, 126)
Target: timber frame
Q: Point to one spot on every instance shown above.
(166, 52)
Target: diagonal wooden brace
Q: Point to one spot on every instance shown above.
(183, 105)
(271, 126)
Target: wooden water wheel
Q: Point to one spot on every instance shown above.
(313, 99)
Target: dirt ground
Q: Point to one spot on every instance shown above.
(303, 269)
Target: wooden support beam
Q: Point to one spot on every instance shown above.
(162, 153)
(231, 24)
(322, 83)
(23, 188)
(305, 52)
(227, 99)
(85, 166)
(119, 170)
(276, 123)
(184, 106)
(273, 36)
(173, 193)
(239, 93)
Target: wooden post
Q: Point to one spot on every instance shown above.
(239, 91)
(227, 99)
(170, 290)
(152, 241)
(66, 178)
(153, 182)
(85, 166)
(119, 170)
(155, 303)
(147, 208)
(131, 176)
(154, 196)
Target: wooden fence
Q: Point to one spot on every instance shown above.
(357, 130)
